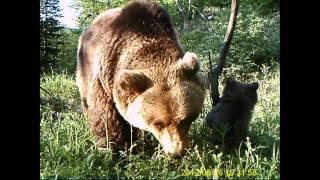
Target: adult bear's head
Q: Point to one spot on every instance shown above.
(162, 101)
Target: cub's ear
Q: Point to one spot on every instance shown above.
(133, 81)
(253, 86)
(231, 85)
(189, 63)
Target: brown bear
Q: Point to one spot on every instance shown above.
(230, 118)
(132, 71)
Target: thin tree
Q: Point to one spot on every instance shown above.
(214, 73)
(184, 13)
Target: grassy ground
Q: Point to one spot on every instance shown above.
(67, 149)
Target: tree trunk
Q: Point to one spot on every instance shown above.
(215, 73)
(184, 13)
(185, 26)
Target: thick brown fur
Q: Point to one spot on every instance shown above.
(230, 118)
(131, 57)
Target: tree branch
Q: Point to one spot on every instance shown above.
(179, 7)
(215, 73)
(201, 14)
(189, 7)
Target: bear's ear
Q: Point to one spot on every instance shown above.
(189, 63)
(253, 86)
(133, 81)
(231, 85)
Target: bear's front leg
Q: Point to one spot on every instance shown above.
(106, 124)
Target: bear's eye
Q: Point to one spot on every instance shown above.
(159, 125)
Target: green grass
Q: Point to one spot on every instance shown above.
(68, 151)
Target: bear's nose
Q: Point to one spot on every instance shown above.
(176, 151)
(176, 155)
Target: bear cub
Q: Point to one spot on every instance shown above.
(230, 118)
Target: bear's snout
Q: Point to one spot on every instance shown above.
(173, 144)
(176, 150)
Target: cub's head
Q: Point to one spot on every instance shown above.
(236, 91)
(238, 99)
(163, 103)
